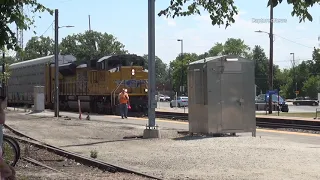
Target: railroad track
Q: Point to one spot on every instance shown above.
(20, 137)
(264, 122)
(261, 122)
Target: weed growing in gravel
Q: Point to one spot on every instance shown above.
(93, 154)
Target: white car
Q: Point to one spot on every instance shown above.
(182, 101)
(162, 98)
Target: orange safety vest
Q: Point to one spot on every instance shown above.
(124, 98)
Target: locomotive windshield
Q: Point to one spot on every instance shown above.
(115, 61)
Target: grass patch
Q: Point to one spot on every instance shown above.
(94, 154)
(305, 115)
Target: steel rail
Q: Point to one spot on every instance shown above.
(260, 121)
(77, 157)
(264, 122)
(37, 163)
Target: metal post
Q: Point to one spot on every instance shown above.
(89, 23)
(181, 81)
(176, 99)
(181, 47)
(294, 74)
(56, 62)
(151, 64)
(3, 71)
(271, 59)
(278, 103)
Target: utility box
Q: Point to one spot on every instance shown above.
(39, 98)
(221, 92)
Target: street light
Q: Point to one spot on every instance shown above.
(66, 27)
(181, 41)
(181, 88)
(56, 60)
(294, 73)
(270, 57)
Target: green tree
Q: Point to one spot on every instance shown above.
(222, 12)
(216, 50)
(312, 86)
(8, 60)
(12, 13)
(231, 46)
(286, 88)
(90, 45)
(179, 71)
(261, 68)
(161, 70)
(236, 47)
(38, 47)
(204, 55)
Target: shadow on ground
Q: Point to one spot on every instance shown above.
(187, 136)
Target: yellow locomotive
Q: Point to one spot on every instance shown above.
(96, 83)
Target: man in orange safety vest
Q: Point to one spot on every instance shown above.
(124, 101)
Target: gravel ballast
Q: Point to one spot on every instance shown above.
(174, 156)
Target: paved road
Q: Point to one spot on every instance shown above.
(292, 109)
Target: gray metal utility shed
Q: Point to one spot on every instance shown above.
(221, 95)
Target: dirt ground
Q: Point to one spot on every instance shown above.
(62, 168)
(173, 157)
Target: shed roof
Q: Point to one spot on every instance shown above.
(217, 58)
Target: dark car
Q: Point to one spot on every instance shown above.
(263, 99)
(305, 101)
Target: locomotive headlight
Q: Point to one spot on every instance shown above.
(132, 72)
(145, 90)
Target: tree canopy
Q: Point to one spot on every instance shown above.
(231, 46)
(12, 13)
(223, 12)
(38, 47)
(161, 70)
(90, 45)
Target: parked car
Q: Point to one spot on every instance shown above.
(167, 98)
(305, 101)
(263, 99)
(182, 101)
(162, 98)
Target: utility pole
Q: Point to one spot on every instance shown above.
(294, 74)
(56, 61)
(151, 130)
(3, 72)
(20, 38)
(181, 88)
(89, 23)
(170, 82)
(92, 36)
(271, 59)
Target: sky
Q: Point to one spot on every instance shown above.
(128, 21)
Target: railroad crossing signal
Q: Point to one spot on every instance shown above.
(297, 92)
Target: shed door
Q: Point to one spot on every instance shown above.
(231, 97)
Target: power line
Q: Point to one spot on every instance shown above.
(47, 28)
(293, 41)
